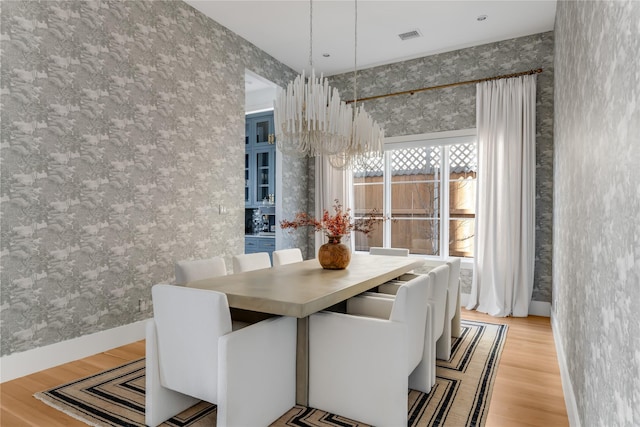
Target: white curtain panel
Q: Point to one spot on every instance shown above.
(505, 210)
(331, 184)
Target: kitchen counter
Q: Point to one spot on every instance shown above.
(263, 235)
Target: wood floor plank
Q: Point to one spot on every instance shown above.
(528, 388)
(527, 391)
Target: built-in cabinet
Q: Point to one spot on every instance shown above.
(259, 160)
(253, 244)
(260, 183)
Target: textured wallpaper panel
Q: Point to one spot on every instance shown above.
(596, 270)
(122, 131)
(455, 108)
(295, 198)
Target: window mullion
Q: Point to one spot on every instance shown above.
(444, 206)
(422, 196)
(386, 199)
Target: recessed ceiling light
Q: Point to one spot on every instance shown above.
(481, 17)
(326, 55)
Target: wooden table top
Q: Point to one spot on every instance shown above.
(303, 288)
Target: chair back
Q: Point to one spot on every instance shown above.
(389, 251)
(188, 324)
(250, 262)
(286, 256)
(410, 307)
(191, 270)
(454, 283)
(437, 296)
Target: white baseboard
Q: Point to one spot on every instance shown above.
(540, 308)
(567, 387)
(20, 364)
(536, 308)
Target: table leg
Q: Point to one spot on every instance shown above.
(302, 362)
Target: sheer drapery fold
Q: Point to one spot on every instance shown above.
(331, 184)
(505, 206)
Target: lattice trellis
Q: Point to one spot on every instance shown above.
(462, 158)
(412, 161)
(423, 160)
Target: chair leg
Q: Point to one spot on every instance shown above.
(423, 377)
(420, 379)
(443, 346)
(455, 323)
(161, 403)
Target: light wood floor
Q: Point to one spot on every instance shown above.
(527, 391)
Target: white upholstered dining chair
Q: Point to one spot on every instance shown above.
(437, 302)
(436, 299)
(287, 256)
(443, 347)
(193, 354)
(388, 251)
(360, 362)
(191, 270)
(250, 262)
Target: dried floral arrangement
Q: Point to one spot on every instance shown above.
(336, 225)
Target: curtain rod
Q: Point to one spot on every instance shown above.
(411, 92)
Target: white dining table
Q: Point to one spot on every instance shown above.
(303, 288)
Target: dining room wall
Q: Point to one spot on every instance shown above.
(596, 265)
(455, 108)
(122, 134)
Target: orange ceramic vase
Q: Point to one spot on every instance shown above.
(334, 255)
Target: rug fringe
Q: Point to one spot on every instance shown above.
(41, 398)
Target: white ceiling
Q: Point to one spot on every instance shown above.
(281, 28)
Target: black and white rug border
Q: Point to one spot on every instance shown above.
(449, 388)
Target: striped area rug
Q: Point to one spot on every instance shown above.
(460, 398)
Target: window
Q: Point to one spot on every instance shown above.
(427, 185)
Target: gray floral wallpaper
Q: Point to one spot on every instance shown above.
(122, 126)
(455, 108)
(596, 269)
(296, 197)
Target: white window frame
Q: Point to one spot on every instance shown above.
(445, 139)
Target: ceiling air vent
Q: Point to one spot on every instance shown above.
(410, 35)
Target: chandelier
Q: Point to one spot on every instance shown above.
(311, 119)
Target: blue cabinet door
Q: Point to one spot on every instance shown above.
(268, 246)
(260, 129)
(260, 158)
(247, 178)
(265, 168)
(251, 245)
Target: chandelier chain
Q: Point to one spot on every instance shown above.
(311, 33)
(311, 119)
(355, 55)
